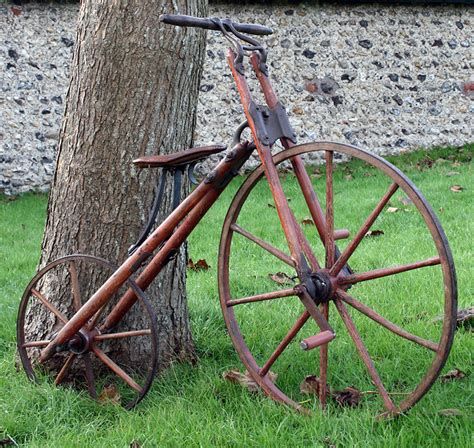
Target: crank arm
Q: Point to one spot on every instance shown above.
(327, 333)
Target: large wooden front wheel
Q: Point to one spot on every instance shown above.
(394, 284)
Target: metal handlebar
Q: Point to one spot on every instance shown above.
(213, 24)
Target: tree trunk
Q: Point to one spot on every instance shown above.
(133, 91)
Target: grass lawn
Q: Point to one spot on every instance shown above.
(195, 406)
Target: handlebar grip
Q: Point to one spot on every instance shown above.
(208, 24)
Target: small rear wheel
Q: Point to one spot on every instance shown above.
(393, 283)
(92, 359)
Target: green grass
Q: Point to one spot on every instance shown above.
(194, 406)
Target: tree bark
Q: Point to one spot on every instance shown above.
(133, 91)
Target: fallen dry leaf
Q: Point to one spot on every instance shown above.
(348, 177)
(452, 375)
(17, 12)
(367, 174)
(424, 163)
(350, 396)
(109, 394)
(452, 173)
(281, 278)
(465, 318)
(307, 222)
(374, 233)
(453, 412)
(456, 188)
(311, 385)
(405, 200)
(245, 380)
(392, 209)
(200, 265)
(328, 443)
(317, 171)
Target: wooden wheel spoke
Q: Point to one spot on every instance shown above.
(352, 246)
(384, 272)
(323, 362)
(329, 239)
(64, 369)
(49, 305)
(76, 292)
(95, 318)
(285, 342)
(89, 373)
(310, 196)
(369, 312)
(263, 244)
(123, 334)
(313, 310)
(36, 344)
(116, 369)
(265, 296)
(364, 354)
(305, 244)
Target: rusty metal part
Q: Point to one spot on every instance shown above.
(238, 134)
(82, 351)
(212, 24)
(271, 124)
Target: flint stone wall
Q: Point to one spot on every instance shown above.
(387, 78)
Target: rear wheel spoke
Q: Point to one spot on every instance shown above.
(31, 344)
(264, 245)
(89, 373)
(369, 312)
(349, 250)
(364, 354)
(76, 292)
(65, 369)
(284, 343)
(116, 369)
(123, 334)
(49, 306)
(385, 272)
(262, 297)
(95, 318)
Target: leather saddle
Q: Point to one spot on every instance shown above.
(180, 158)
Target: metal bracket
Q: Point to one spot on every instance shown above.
(271, 124)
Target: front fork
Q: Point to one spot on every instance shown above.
(301, 253)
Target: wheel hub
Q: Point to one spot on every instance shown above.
(319, 287)
(81, 342)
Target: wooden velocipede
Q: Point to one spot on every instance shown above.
(86, 335)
